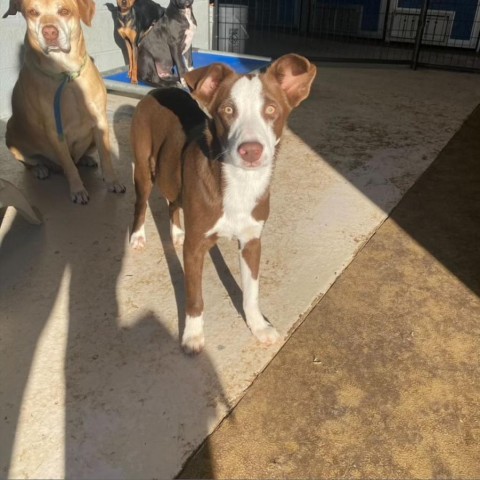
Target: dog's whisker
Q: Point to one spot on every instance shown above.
(220, 155)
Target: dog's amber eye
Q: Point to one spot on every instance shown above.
(270, 110)
(64, 12)
(228, 110)
(34, 13)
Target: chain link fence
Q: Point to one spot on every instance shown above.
(434, 33)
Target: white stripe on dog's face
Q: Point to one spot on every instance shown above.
(250, 124)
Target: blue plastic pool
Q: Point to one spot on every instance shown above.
(239, 63)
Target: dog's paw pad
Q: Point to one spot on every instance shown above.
(193, 344)
(267, 335)
(41, 172)
(116, 187)
(138, 241)
(80, 197)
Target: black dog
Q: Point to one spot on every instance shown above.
(168, 44)
(135, 18)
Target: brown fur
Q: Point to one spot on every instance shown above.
(188, 173)
(31, 131)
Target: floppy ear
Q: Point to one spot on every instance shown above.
(295, 75)
(203, 82)
(86, 9)
(14, 7)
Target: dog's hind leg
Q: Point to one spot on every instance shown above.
(176, 230)
(143, 188)
(146, 67)
(40, 165)
(43, 167)
(87, 161)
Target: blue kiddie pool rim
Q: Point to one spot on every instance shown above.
(116, 80)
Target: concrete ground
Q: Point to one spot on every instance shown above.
(93, 383)
(382, 379)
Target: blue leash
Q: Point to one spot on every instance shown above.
(57, 109)
(57, 105)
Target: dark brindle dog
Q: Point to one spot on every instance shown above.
(135, 18)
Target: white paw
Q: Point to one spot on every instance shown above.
(116, 187)
(80, 197)
(178, 236)
(138, 240)
(193, 344)
(267, 335)
(193, 339)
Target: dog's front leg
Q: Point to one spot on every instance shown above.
(102, 141)
(134, 64)
(180, 62)
(78, 193)
(130, 56)
(189, 59)
(249, 269)
(193, 339)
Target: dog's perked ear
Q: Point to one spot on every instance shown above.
(204, 82)
(295, 75)
(14, 7)
(86, 8)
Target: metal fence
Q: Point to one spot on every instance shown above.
(435, 33)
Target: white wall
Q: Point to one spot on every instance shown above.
(100, 43)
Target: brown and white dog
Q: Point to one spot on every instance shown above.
(222, 178)
(59, 100)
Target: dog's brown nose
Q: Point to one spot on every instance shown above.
(50, 33)
(250, 152)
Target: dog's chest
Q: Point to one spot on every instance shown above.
(126, 22)
(242, 192)
(190, 31)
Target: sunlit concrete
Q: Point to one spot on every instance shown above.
(93, 382)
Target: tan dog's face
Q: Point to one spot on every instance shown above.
(51, 24)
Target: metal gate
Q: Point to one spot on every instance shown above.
(434, 33)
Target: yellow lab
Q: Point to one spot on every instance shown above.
(59, 100)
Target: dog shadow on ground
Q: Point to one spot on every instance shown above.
(131, 396)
